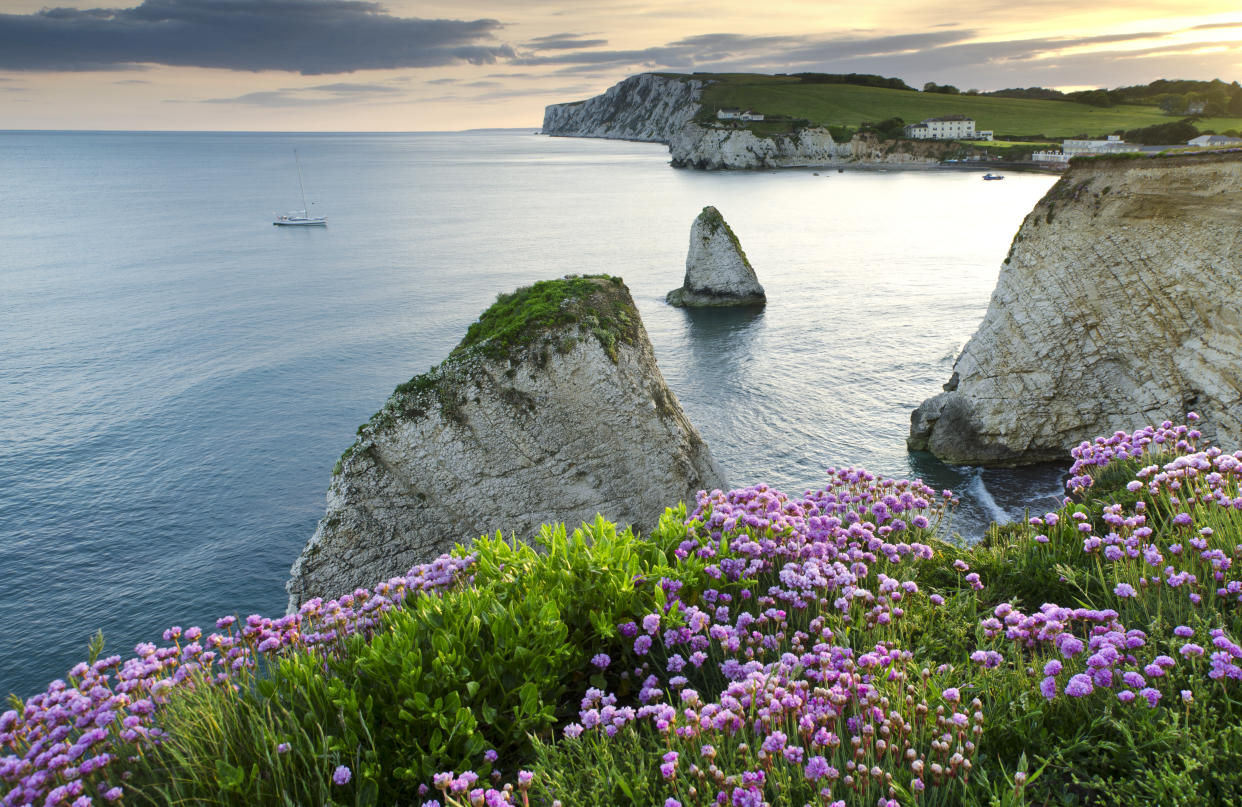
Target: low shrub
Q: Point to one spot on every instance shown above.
(834, 648)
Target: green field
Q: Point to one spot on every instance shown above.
(851, 105)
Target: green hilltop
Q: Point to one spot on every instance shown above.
(818, 100)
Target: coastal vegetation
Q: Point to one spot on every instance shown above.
(834, 648)
(796, 101)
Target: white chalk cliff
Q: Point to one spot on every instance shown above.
(649, 107)
(546, 412)
(661, 108)
(1120, 304)
(718, 272)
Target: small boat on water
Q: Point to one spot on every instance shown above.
(990, 175)
(300, 218)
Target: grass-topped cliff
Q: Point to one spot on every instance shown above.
(850, 105)
(574, 307)
(759, 649)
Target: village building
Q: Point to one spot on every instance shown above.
(1113, 145)
(738, 114)
(1209, 141)
(949, 127)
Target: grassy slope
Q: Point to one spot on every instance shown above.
(849, 105)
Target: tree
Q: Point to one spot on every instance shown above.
(1171, 103)
(1163, 134)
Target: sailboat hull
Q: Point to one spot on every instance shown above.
(283, 222)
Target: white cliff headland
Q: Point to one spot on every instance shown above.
(552, 409)
(665, 108)
(1120, 304)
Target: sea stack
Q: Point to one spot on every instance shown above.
(552, 409)
(717, 270)
(1118, 306)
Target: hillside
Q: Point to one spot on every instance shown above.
(850, 105)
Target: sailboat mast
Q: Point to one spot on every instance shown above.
(305, 207)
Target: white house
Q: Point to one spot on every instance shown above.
(737, 114)
(949, 127)
(1052, 157)
(1207, 141)
(1113, 145)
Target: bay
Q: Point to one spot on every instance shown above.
(178, 377)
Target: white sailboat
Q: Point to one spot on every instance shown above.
(300, 218)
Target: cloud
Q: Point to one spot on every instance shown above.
(563, 42)
(318, 95)
(1205, 26)
(128, 81)
(712, 50)
(312, 37)
(940, 55)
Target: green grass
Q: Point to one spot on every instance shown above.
(599, 303)
(851, 105)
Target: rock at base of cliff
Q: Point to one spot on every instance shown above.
(718, 272)
(552, 409)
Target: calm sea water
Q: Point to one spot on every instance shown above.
(177, 376)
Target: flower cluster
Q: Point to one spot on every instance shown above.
(69, 744)
(804, 698)
(1091, 457)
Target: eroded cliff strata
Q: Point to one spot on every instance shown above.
(1120, 304)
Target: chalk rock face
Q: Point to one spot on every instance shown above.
(551, 409)
(725, 147)
(717, 270)
(646, 107)
(713, 147)
(1120, 304)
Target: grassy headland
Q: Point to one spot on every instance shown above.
(851, 105)
(761, 649)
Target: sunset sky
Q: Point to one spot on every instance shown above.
(402, 65)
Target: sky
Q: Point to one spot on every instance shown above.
(435, 65)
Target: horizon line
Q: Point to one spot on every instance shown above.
(275, 131)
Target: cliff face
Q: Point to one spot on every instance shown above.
(552, 409)
(697, 146)
(1120, 304)
(716, 147)
(718, 273)
(646, 107)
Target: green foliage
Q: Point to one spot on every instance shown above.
(831, 104)
(493, 665)
(889, 128)
(859, 79)
(1163, 133)
(514, 319)
(225, 748)
(1098, 98)
(841, 134)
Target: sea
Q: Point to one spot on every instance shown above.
(178, 376)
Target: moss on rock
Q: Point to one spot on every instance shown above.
(570, 309)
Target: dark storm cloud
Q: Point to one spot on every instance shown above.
(311, 37)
